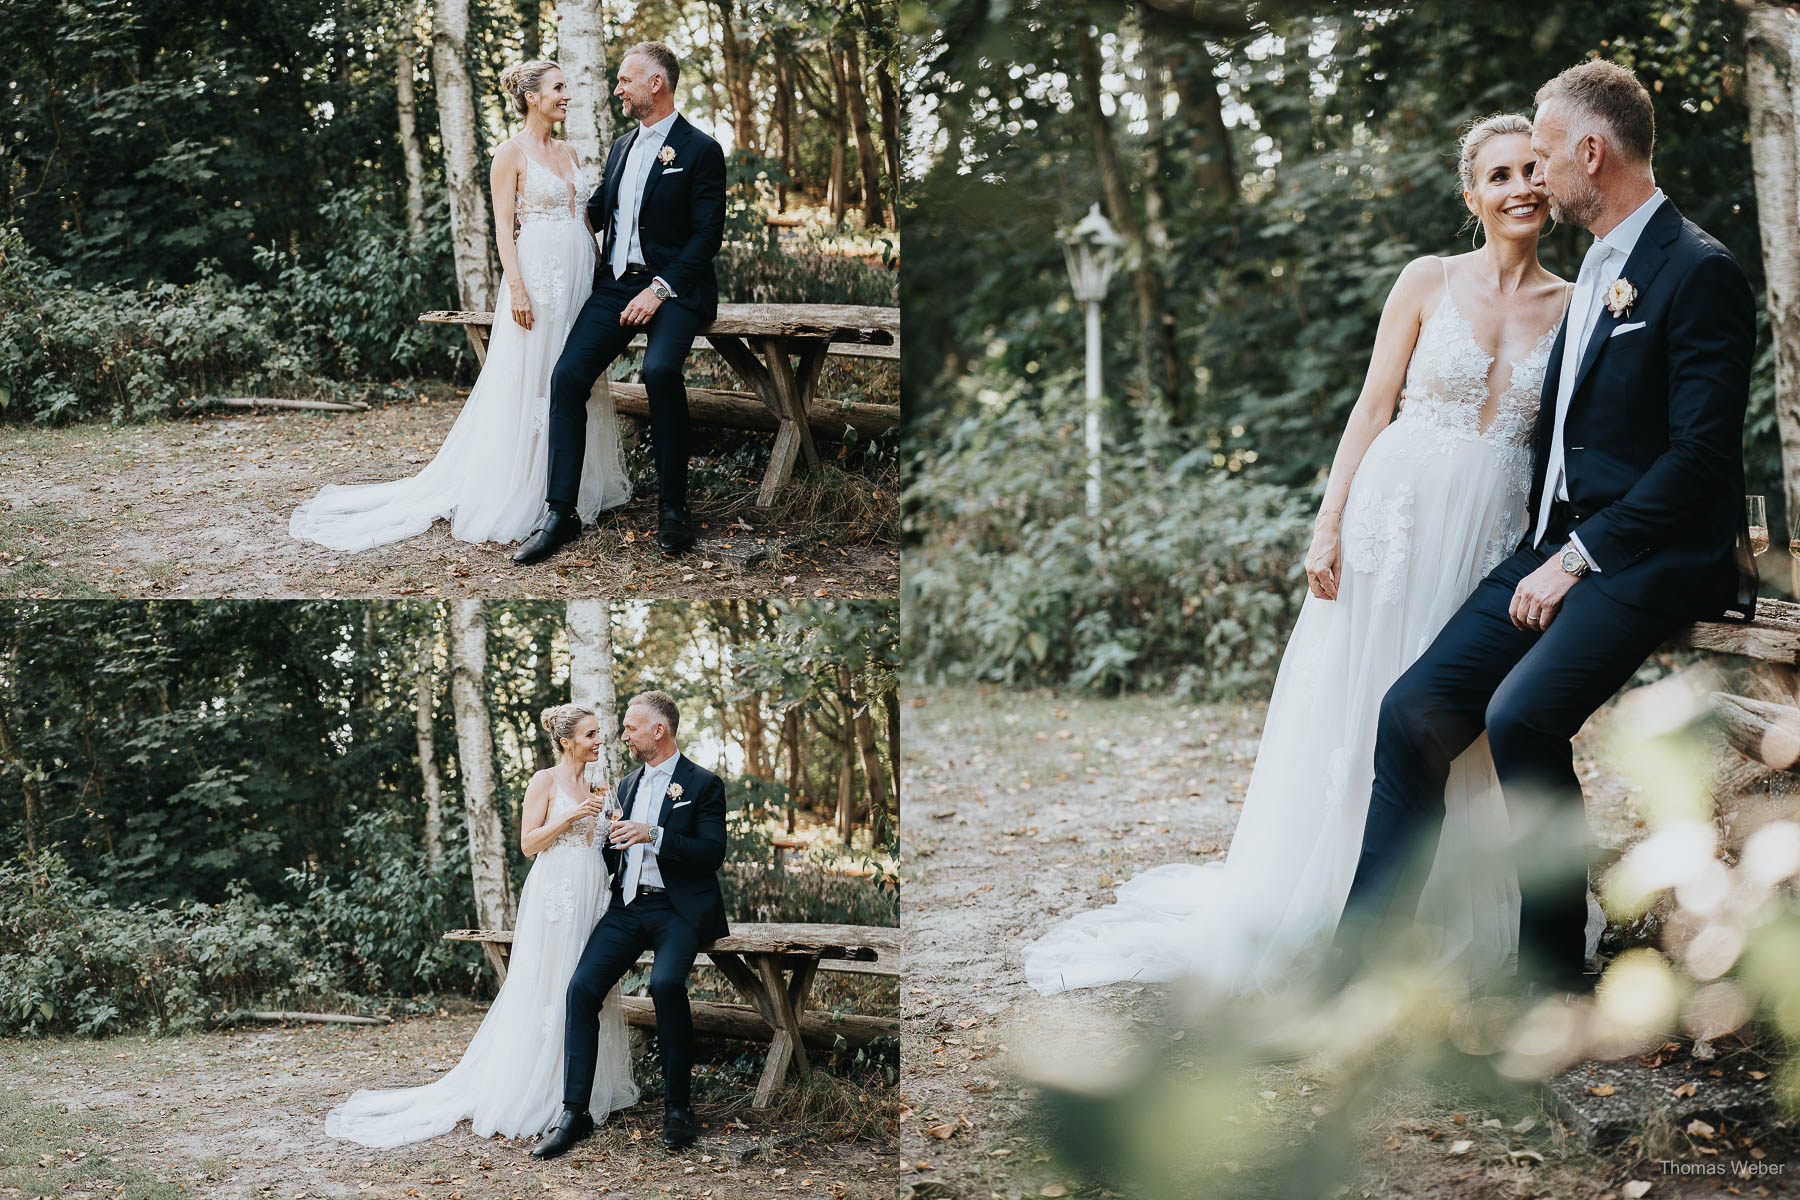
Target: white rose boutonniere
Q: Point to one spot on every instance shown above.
(1620, 297)
(674, 792)
(666, 155)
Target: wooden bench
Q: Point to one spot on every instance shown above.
(1763, 729)
(761, 342)
(773, 965)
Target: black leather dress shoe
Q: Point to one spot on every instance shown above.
(571, 1128)
(678, 1127)
(674, 528)
(553, 533)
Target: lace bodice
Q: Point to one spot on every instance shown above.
(1447, 381)
(580, 834)
(547, 196)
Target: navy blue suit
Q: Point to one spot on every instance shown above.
(1654, 463)
(675, 924)
(681, 224)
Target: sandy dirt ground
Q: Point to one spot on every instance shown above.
(241, 1114)
(1021, 810)
(200, 507)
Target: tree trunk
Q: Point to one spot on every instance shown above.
(28, 784)
(1167, 349)
(531, 32)
(878, 21)
(469, 233)
(874, 774)
(412, 156)
(1156, 328)
(784, 125)
(424, 697)
(891, 700)
(858, 104)
(738, 70)
(796, 764)
(475, 762)
(591, 674)
(581, 49)
(1772, 57)
(846, 802)
(834, 191)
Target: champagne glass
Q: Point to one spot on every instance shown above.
(1757, 515)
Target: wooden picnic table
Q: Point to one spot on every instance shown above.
(778, 350)
(773, 965)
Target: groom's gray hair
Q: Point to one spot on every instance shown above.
(660, 703)
(1598, 92)
(661, 57)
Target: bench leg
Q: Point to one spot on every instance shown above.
(787, 1043)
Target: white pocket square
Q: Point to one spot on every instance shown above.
(678, 804)
(1635, 325)
(673, 170)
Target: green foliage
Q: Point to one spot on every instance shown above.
(1192, 588)
(356, 299)
(69, 352)
(71, 961)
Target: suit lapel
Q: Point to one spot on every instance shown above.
(1640, 270)
(615, 174)
(676, 139)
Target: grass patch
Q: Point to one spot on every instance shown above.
(37, 548)
(45, 1152)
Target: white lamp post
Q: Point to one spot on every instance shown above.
(1090, 248)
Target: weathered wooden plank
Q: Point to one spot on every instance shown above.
(820, 1030)
(745, 410)
(857, 323)
(1773, 637)
(887, 964)
(1759, 729)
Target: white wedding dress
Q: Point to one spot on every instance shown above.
(488, 477)
(510, 1079)
(1438, 501)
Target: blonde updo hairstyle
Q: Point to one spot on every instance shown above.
(1478, 134)
(560, 722)
(524, 77)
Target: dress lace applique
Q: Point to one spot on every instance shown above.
(1379, 537)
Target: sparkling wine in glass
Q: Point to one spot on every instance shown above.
(1757, 514)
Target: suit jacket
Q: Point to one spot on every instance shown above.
(1653, 440)
(693, 845)
(681, 218)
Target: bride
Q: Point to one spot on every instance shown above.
(488, 477)
(1417, 509)
(510, 1079)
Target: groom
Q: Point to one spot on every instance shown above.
(664, 863)
(1636, 527)
(661, 206)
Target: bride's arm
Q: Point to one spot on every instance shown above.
(536, 831)
(503, 182)
(1394, 341)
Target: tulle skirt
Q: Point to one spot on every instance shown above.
(489, 476)
(510, 1079)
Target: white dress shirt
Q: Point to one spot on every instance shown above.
(626, 247)
(1605, 260)
(646, 806)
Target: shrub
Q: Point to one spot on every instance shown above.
(1194, 588)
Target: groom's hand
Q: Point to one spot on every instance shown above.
(629, 833)
(1539, 595)
(643, 306)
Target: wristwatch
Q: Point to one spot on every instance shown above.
(659, 289)
(1573, 563)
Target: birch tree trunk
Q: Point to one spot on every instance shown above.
(581, 49)
(858, 105)
(1772, 56)
(405, 51)
(426, 695)
(591, 673)
(470, 236)
(475, 757)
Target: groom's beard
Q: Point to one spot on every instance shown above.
(1578, 207)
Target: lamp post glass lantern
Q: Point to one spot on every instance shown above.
(1090, 249)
